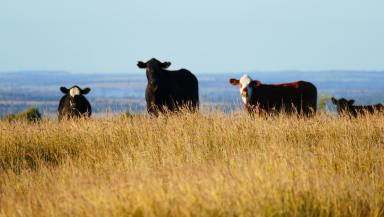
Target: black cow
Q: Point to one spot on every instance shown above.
(346, 107)
(73, 104)
(168, 91)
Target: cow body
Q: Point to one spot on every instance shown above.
(73, 104)
(346, 107)
(296, 97)
(169, 91)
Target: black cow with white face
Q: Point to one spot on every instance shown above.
(73, 104)
(168, 91)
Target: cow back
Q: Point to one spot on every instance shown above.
(298, 97)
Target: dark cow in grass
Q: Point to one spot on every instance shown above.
(346, 107)
(297, 97)
(73, 104)
(169, 91)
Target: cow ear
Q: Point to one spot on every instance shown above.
(350, 102)
(141, 65)
(64, 90)
(86, 90)
(255, 83)
(234, 81)
(165, 65)
(334, 101)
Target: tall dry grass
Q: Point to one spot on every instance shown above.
(209, 164)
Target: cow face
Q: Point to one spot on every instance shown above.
(343, 105)
(153, 68)
(246, 87)
(74, 93)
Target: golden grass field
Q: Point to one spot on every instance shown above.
(209, 164)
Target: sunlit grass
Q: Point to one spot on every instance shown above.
(209, 164)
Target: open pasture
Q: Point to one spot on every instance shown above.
(208, 164)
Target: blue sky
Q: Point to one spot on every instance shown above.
(200, 35)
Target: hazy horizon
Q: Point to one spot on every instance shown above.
(121, 92)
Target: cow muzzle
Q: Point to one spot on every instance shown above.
(244, 92)
(72, 103)
(153, 86)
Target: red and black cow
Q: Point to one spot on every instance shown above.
(297, 97)
(346, 107)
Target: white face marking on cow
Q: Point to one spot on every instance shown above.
(245, 89)
(75, 91)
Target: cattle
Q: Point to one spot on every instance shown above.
(169, 91)
(73, 104)
(297, 97)
(346, 107)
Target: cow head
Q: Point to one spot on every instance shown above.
(74, 93)
(343, 105)
(246, 87)
(153, 68)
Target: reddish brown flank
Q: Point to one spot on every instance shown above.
(292, 84)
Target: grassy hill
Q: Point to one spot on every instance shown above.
(210, 164)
